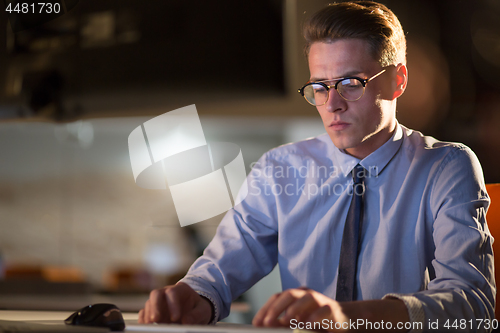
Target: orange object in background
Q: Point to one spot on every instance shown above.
(493, 218)
(47, 273)
(23, 271)
(128, 280)
(63, 274)
(35, 279)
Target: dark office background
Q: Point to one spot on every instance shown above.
(197, 51)
(466, 34)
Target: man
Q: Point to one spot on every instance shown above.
(422, 249)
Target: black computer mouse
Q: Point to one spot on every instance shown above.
(101, 315)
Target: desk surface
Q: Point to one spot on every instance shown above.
(126, 303)
(57, 317)
(48, 315)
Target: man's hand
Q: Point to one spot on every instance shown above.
(176, 304)
(302, 304)
(306, 305)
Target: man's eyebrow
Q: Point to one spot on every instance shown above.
(347, 74)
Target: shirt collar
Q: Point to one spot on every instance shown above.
(373, 163)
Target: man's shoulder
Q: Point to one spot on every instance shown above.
(425, 144)
(427, 150)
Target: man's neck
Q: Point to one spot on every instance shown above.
(372, 143)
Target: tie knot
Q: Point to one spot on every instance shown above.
(358, 174)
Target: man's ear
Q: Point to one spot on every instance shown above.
(400, 81)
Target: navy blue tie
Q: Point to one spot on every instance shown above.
(346, 281)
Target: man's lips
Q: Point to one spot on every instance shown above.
(339, 125)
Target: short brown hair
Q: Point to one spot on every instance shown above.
(366, 20)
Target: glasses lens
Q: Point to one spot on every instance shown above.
(316, 94)
(350, 89)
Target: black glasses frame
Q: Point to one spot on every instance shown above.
(328, 87)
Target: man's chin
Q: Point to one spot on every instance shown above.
(340, 141)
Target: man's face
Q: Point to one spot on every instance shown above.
(362, 126)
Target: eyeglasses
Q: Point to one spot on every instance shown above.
(349, 88)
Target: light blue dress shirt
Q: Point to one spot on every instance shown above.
(424, 235)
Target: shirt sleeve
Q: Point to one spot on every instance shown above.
(461, 292)
(244, 248)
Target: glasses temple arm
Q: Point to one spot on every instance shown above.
(374, 76)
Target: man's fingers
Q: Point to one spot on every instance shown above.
(334, 314)
(159, 307)
(300, 309)
(279, 305)
(146, 315)
(173, 300)
(258, 320)
(158, 311)
(140, 320)
(176, 304)
(320, 313)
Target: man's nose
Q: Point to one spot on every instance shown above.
(335, 101)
